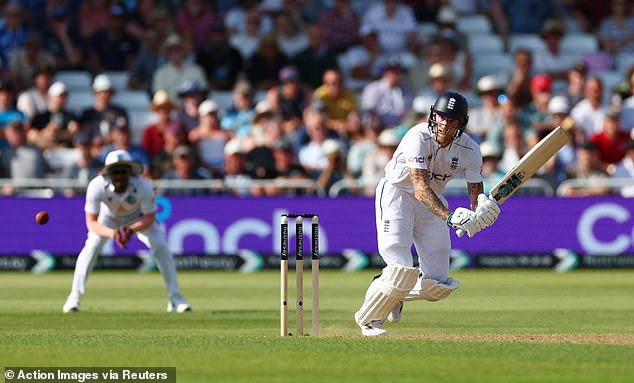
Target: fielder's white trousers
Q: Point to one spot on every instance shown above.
(401, 220)
(151, 237)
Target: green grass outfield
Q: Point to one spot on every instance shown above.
(501, 326)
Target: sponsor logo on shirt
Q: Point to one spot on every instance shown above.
(418, 160)
(438, 176)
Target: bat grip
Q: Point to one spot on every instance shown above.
(460, 232)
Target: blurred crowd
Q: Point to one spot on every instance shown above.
(318, 90)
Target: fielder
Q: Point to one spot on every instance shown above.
(411, 209)
(119, 203)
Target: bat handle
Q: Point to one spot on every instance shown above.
(460, 232)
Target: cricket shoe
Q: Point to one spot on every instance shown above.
(395, 315)
(72, 303)
(374, 328)
(178, 308)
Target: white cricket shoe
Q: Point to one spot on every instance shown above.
(395, 315)
(178, 308)
(374, 328)
(72, 303)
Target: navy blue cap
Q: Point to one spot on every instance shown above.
(190, 87)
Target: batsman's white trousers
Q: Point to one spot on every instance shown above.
(401, 220)
(152, 237)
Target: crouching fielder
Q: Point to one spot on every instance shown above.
(411, 209)
(119, 203)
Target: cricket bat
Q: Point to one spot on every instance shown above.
(528, 166)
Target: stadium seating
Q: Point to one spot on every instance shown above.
(531, 42)
(474, 25)
(496, 64)
(75, 80)
(224, 98)
(132, 100)
(79, 100)
(425, 30)
(139, 120)
(119, 80)
(485, 43)
(579, 43)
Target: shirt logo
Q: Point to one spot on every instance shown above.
(386, 226)
(454, 163)
(452, 103)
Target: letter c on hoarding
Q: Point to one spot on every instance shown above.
(587, 221)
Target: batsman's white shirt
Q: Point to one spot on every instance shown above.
(402, 220)
(136, 201)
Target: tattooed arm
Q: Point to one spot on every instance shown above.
(424, 193)
(475, 190)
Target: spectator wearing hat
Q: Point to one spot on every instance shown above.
(220, 61)
(238, 118)
(341, 25)
(191, 94)
(616, 32)
(374, 167)
(446, 52)
(335, 169)
(491, 157)
(363, 62)
(121, 139)
(193, 22)
(237, 177)
(93, 15)
(519, 86)
(551, 60)
(559, 110)
(339, 100)
(395, 23)
(587, 168)
(176, 70)
(387, 96)
(98, 119)
(208, 137)
(484, 117)
(19, 159)
(185, 164)
(12, 30)
(624, 170)
(611, 142)
(289, 97)
(153, 136)
(447, 19)
(536, 112)
(56, 126)
(313, 61)
(8, 112)
(441, 79)
(291, 37)
(247, 42)
(112, 48)
(589, 112)
(34, 99)
(25, 63)
(62, 39)
(264, 65)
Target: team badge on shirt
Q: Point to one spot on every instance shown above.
(454, 163)
(131, 199)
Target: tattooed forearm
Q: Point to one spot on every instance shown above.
(424, 193)
(475, 190)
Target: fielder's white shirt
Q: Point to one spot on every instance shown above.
(138, 198)
(419, 150)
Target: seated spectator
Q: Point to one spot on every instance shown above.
(313, 61)
(93, 15)
(559, 111)
(146, 63)
(34, 99)
(510, 115)
(186, 168)
(8, 112)
(491, 172)
(551, 60)
(247, 41)
(141, 18)
(208, 137)
(98, 119)
(220, 62)
(286, 168)
(176, 70)
(536, 112)
(238, 118)
(193, 21)
(339, 100)
(162, 162)
(340, 25)
(440, 78)
(311, 154)
(387, 96)
(24, 63)
(13, 30)
(20, 160)
(586, 168)
(395, 23)
(364, 62)
(56, 126)
(589, 112)
(236, 176)
(152, 138)
(611, 143)
(515, 146)
(335, 169)
(120, 138)
(290, 37)
(576, 82)
(625, 170)
(289, 98)
(112, 48)
(519, 86)
(364, 144)
(616, 32)
(192, 94)
(88, 164)
(450, 53)
(264, 65)
(61, 38)
(627, 106)
(374, 168)
(484, 117)
(237, 18)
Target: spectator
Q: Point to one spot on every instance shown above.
(237, 18)
(421, 106)
(286, 168)
(192, 94)
(112, 48)
(374, 168)
(177, 70)
(289, 98)
(146, 63)
(483, 118)
(551, 60)
(395, 23)
(219, 60)
(611, 142)
(387, 96)
(236, 176)
(98, 119)
(510, 115)
(93, 15)
(163, 161)
(267, 129)
(20, 160)
(208, 137)
(446, 20)
(264, 65)
(24, 63)
(440, 80)
(238, 118)
(589, 112)
(519, 16)
(447, 52)
(186, 168)
(616, 32)
(335, 169)
(311, 155)
(120, 139)
(491, 172)
(152, 139)
(62, 40)
(194, 21)
(363, 62)
(514, 145)
(625, 170)
(12, 30)
(56, 126)
(586, 168)
(576, 83)
(627, 107)
(87, 165)
(290, 37)
(559, 111)
(339, 100)
(363, 145)
(8, 112)
(313, 61)
(141, 18)
(340, 25)
(248, 41)
(519, 86)
(536, 112)
(34, 99)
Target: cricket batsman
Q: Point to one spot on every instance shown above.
(410, 209)
(119, 204)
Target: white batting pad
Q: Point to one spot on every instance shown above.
(386, 292)
(429, 289)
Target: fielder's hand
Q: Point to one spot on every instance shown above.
(122, 235)
(487, 210)
(465, 220)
